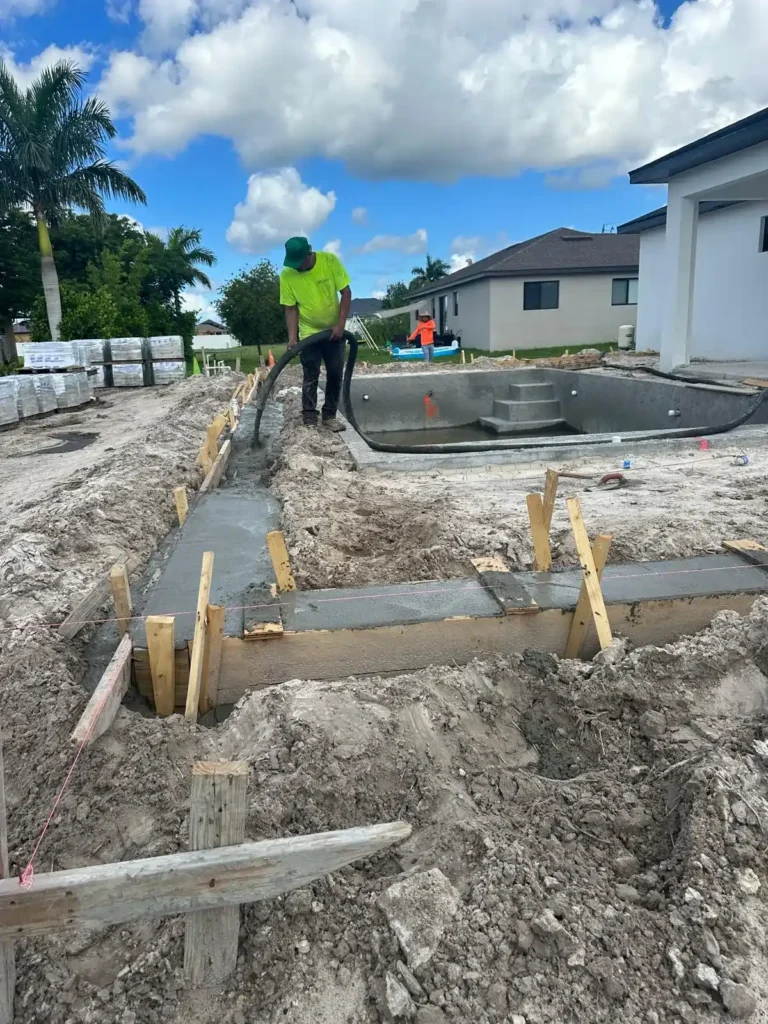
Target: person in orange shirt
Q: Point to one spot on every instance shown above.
(425, 328)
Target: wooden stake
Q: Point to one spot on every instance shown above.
(101, 709)
(162, 661)
(216, 819)
(583, 614)
(182, 504)
(181, 883)
(209, 686)
(121, 592)
(281, 562)
(591, 580)
(463, 356)
(7, 948)
(237, 364)
(87, 607)
(198, 646)
(540, 533)
(550, 494)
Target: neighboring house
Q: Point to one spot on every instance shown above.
(22, 329)
(210, 327)
(565, 287)
(365, 307)
(703, 289)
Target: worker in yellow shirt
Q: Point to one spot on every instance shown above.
(425, 330)
(315, 291)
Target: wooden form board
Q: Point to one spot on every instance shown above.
(281, 562)
(107, 894)
(160, 644)
(213, 478)
(121, 594)
(539, 532)
(509, 592)
(182, 504)
(142, 674)
(86, 610)
(101, 709)
(196, 691)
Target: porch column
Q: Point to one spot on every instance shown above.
(680, 258)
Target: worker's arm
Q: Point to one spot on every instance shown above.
(292, 323)
(416, 333)
(346, 302)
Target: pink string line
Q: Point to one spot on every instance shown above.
(28, 874)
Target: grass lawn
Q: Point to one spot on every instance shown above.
(249, 354)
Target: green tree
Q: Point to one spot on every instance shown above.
(52, 159)
(79, 241)
(433, 270)
(397, 295)
(184, 252)
(250, 307)
(19, 276)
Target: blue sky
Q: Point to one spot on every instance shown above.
(555, 153)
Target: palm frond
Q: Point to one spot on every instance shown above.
(104, 179)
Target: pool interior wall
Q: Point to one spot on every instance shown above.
(590, 402)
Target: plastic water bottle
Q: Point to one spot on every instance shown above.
(741, 460)
(627, 464)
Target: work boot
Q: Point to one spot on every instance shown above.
(334, 425)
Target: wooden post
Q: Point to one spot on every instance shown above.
(216, 818)
(162, 661)
(550, 494)
(583, 613)
(540, 533)
(214, 645)
(463, 357)
(237, 364)
(198, 645)
(121, 593)
(281, 562)
(205, 362)
(7, 948)
(591, 580)
(182, 504)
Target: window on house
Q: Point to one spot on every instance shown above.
(455, 303)
(624, 291)
(764, 235)
(541, 295)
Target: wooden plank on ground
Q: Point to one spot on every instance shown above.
(101, 709)
(540, 533)
(583, 614)
(121, 592)
(182, 504)
(7, 947)
(180, 883)
(198, 644)
(214, 638)
(217, 812)
(750, 550)
(88, 607)
(213, 478)
(162, 661)
(591, 580)
(755, 382)
(281, 561)
(505, 587)
(550, 494)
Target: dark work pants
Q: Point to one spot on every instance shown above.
(332, 354)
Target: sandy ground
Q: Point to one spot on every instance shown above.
(588, 839)
(345, 528)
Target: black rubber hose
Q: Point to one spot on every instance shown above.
(462, 449)
(679, 377)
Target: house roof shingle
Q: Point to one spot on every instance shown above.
(562, 251)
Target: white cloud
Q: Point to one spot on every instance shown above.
(19, 8)
(200, 302)
(26, 73)
(408, 244)
(547, 84)
(459, 260)
(464, 243)
(378, 294)
(119, 10)
(360, 215)
(278, 205)
(333, 246)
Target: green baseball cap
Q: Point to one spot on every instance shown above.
(296, 251)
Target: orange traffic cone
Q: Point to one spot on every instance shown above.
(271, 360)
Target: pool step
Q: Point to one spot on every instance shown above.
(526, 411)
(534, 391)
(505, 426)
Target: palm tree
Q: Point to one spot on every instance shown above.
(433, 270)
(52, 159)
(183, 250)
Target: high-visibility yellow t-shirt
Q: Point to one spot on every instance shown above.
(315, 292)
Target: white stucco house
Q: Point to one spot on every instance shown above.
(703, 290)
(564, 287)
